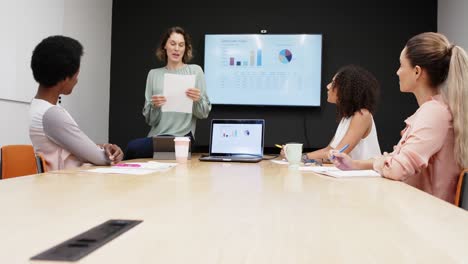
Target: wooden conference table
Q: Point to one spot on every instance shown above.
(206, 212)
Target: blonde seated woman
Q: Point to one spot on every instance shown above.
(434, 144)
(354, 90)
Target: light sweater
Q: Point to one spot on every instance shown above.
(174, 123)
(56, 136)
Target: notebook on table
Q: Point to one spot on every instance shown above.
(238, 140)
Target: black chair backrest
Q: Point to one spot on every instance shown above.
(40, 168)
(464, 192)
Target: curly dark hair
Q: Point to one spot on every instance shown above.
(56, 58)
(161, 50)
(357, 89)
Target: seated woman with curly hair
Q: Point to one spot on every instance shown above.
(354, 90)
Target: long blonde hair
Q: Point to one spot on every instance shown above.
(456, 94)
(447, 67)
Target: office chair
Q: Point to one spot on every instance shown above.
(20, 160)
(461, 198)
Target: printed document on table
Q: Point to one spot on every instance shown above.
(282, 162)
(175, 86)
(335, 172)
(135, 168)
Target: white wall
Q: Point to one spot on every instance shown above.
(22, 23)
(14, 122)
(453, 20)
(88, 21)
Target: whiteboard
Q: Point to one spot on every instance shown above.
(24, 23)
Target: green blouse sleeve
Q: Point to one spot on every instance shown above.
(202, 108)
(152, 114)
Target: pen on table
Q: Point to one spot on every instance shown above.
(341, 150)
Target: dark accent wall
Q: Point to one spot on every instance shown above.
(368, 33)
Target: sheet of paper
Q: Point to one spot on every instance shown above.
(151, 165)
(122, 170)
(135, 168)
(282, 162)
(175, 86)
(335, 172)
(353, 173)
(319, 169)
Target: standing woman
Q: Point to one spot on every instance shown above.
(175, 50)
(434, 145)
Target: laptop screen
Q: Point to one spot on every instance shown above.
(236, 137)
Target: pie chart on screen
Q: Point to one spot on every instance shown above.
(285, 56)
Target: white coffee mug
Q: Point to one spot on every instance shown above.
(293, 152)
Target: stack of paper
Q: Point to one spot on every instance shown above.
(335, 172)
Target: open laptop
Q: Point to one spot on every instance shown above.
(239, 140)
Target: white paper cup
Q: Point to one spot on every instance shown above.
(181, 145)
